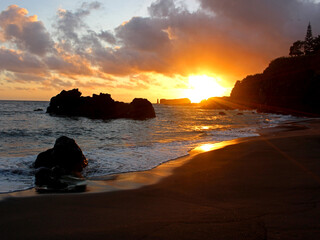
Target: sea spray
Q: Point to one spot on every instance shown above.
(115, 146)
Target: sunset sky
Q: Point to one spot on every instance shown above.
(143, 48)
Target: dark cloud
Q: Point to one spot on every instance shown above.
(228, 37)
(68, 24)
(26, 32)
(107, 37)
(13, 61)
(58, 83)
(26, 77)
(143, 34)
(162, 8)
(91, 84)
(223, 36)
(68, 66)
(285, 18)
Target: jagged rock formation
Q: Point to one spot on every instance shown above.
(289, 85)
(71, 103)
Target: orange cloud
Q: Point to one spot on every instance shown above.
(227, 38)
(25, 32)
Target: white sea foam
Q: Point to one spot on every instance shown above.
(116, 146)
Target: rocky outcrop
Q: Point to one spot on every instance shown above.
(289, 85)
(71, 103)
(181, 101)
(53, 165)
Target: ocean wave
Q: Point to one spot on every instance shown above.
(118, 146)
(15, 133)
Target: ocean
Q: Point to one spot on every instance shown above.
(115, 146)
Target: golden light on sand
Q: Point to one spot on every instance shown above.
(207, 147)
(203, 87)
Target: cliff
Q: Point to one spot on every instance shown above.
(289, 85)
(71, 103)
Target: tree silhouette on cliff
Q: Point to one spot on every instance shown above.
(308, 41)
(309, 46)
(296, 48)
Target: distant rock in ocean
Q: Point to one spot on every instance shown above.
(71, 103)
(59, 168)
(180, 101)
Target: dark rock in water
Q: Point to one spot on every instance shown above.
(49, 178)
(45, 159)
(65, 154)
(222, 113)
(71, 103)
(38, 110)
(140, 109)
(64, 159)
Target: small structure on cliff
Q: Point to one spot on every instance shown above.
(71, 103)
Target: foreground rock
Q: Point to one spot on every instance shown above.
(59, 168)
(71, 103)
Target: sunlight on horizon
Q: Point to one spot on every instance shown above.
(203, 87)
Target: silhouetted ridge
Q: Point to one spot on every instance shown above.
(71, 103)
(288, 85)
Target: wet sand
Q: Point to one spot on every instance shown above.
(267, 187)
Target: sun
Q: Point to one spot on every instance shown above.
(202, 87)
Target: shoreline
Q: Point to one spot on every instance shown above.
(263, 188)
(139, 179)
(130, 180)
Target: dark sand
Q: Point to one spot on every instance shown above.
(265, 188)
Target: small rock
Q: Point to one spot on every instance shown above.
(64, 159)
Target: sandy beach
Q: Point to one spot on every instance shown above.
(266, 187)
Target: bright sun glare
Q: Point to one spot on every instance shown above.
(203, 87)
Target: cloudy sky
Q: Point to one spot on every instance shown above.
(142, 48)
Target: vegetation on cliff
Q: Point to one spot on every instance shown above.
(288, 85)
